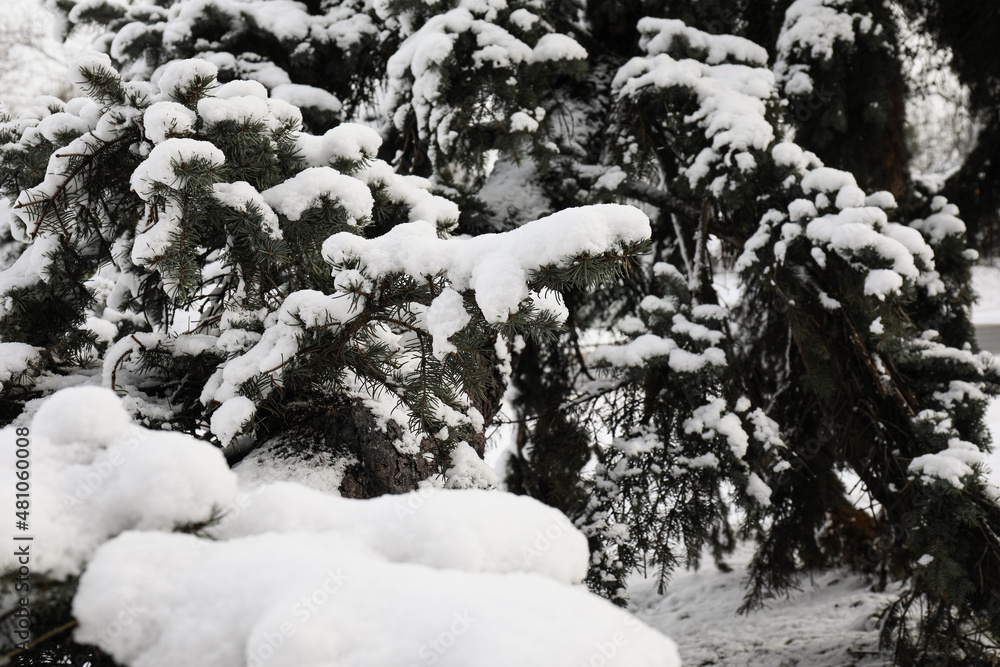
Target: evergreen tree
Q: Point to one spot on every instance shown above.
(370, 289)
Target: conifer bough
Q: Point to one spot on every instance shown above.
(342, 235)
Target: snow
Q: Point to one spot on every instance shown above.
(940, 225)
(468, 471)
(660, 35)
(283, 331)
(245, 110)
(336, 602)
(554, 46)
(496, 267)
(635, 353)
(830, 621)
(178, 78)
(812, 29)
(15, 359)
(275, 461)
(95, 475)
(242, 196)
(227, 421)
(88, 62)
(523, 19)
(160, 165)
(163, 118)
(951, 464)
(446, 317)
(522, 122)
(883, 282)
(295, 576)
(307, 97)
(347, 141)
(412, 191)
(731, 106)
(310, 187)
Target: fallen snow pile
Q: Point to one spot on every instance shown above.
(293, 576)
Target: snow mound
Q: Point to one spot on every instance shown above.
(94, 475)
(295, 576)
(300, 600)
(470, 530)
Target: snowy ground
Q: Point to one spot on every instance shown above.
(986, 282)
(830, 622)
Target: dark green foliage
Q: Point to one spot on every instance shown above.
(689, 424)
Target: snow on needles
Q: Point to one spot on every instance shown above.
(497, 267)
(811, 31)
(732, 98)
(293, 576)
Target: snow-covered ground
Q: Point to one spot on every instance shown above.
(830, 622)
(986, 282)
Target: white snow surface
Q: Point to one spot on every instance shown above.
(295, 576)
(16, 358)
(312, 599)
(94, 475)
(310, 186)
(496, 267)
(446, 317)
(986, 283)
(829, 622)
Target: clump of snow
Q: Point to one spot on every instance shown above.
(554, 46)
(347, 141)
(90, 62)
(732, 105)
(179, 78)
(336, 602)
(811, 31)
(168, 118)
(15, 359)
(229, 418)
(951, 464)
(446, 317)
(496, 267)
(307, 97)
(311, 186)
(667, 35)
(468, 471)
(943, 223)
(95, 475)
(86, 415)
(241, 196)
(161, 165)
